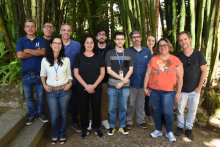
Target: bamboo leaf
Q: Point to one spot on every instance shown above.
(1, 36)
(21, 88)
(2, 47)
(12, 77)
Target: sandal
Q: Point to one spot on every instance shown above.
(54, 141)
(62, 141)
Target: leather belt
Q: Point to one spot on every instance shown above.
(57, 88)
(32, 73)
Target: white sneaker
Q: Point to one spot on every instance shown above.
(171, 137)
(90, 125)
(156, 133)
(106, 124)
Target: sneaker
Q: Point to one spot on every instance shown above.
(143, 125)
(98, 133)
(123, 130)
(128, 127)
(44, 118)
(189, 134)
(171, 137)
(76, 127)
(150, 120)
(106, 124)
(30, 120)
(111, 131)
(156, 133)
(90, 125)
(85, 133)
(178, 131)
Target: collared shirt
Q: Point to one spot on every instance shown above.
(141, 60)
(74, 48)
(32, 64)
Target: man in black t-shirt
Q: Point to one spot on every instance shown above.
(48, 30)
(103, 49)
(120, 63)
(195, 68)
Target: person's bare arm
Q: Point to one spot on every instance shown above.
(36, 52)
(179, 75)
(202, 78)
(117, 76)
(146, 80)
(23, 55)
(129, 73)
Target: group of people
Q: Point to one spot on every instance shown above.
(100, 78)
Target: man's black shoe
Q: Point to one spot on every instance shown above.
(44, 118)
(30, 120)
(189, 134)
(178, 132)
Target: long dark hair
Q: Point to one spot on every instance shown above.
(95, 49)
(155, 45)
(49, 53)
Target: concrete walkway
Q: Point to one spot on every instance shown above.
(137, 137)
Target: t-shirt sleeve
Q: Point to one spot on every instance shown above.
(107, 59)
(42, 43)
(202, 60)
(19, 46)
(102, 61)
(131, 63)
(76, 61)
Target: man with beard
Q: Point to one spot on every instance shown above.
(48, 30)
(103, 49)
(142, 55)
(195, 68)
(119, 64)
(71, 49)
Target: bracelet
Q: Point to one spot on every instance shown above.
(70, 84)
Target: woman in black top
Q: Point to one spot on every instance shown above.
(89, 70)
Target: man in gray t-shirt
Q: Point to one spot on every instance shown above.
(120, 65)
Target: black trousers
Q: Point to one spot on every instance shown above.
(74, 105)
(95, 101)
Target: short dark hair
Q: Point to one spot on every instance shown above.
(29, 20)
(119, 33)
(48, 23)
(170, 46)
(66, 24)
(100, 30)
(95, 49)
(184, 32)
(135, 32)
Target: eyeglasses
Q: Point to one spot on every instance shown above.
(119, 39)
(164, 45)
(136, 37)
(47, 27)
(55, 43)
(189, 60)
(103, 34)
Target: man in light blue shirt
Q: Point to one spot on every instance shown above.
(71, 49)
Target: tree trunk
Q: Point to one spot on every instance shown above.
(192, 22)
(89, 17)
(200, 25)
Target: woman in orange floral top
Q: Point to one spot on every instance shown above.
(164, 75)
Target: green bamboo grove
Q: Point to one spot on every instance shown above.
(200, 18)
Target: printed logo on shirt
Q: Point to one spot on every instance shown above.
(37, 44)
(145, 56)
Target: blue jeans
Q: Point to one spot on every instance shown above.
(115, 96)
(147, 107)
(193, 101)
(58, 102)
(163, 103)
(29, 82)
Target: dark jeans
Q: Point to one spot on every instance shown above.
(29, 82)
(163, 103)
(74, 105)
(58, 102)
(147, 107)
(95, 101)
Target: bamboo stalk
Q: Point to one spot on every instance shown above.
(131, 14)
(182, 18)
(148, 17)
(143, 42)
(192, 22)
(129, 29)
(89, 17)
(200, 25)
(161, 19)
(174, 23)
(42, 14)
(39, 10)
(138, 14)
(157, 17)
(152, 12)
(112, 23)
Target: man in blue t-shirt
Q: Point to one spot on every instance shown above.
(71, 49)
(142, 55)
(31, 49)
